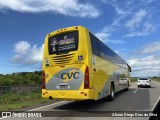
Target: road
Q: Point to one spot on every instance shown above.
(136, 99)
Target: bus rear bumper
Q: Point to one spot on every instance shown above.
(68, 95)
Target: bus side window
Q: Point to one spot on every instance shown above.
(94, 45)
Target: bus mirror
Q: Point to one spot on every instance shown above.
(129, 68)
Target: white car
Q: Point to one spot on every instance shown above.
(143, 82)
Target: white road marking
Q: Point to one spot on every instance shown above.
(46, 106)
(135, 91)
(156, 103)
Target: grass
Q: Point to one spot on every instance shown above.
(12, 101)
(156, 79)
(134, 80)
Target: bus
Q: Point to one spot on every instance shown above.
(78, 66)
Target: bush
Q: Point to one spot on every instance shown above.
(23, 78)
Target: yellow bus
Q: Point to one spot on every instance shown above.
(78, 66)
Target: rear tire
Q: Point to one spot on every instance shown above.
(112, 93)
(127, 87)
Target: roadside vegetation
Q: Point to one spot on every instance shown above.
(16, 100)
(23, 78)
(157, 79)
(134, 79)
(10, 101)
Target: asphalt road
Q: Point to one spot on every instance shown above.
(136, 99)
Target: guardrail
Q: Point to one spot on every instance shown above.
(19, 88)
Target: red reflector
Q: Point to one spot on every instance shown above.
(43, 80)
(86, 78)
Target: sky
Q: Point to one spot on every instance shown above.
(129, 27)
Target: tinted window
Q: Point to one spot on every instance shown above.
(103, 51)
(95, 45)
(143, 79)
(63, 43)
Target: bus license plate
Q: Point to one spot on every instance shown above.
(63, 87)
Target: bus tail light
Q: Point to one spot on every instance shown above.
(86, 78)
(43, 80)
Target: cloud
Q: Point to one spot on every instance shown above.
(146, 62)
(146, 29)
(22, 47)
(25, 54)
(147, 66)
(70, 7)
(118, 9)
(137, 19)
(150, 48)
(148, 1)
(117, 51)
(104, 37)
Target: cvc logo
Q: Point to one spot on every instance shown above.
(70, 75)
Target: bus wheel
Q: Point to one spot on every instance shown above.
(111, 96)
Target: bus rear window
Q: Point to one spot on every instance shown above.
(63, 43)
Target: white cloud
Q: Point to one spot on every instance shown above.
(17, 59)
(150, 47)
(117, 51)
(65, 7)
(22, 47)
(137, 19)
(136, 34)
(25, 54)
(146, 29)
(104, 37)
(119, 10)
(147, 66)
(148, 1)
